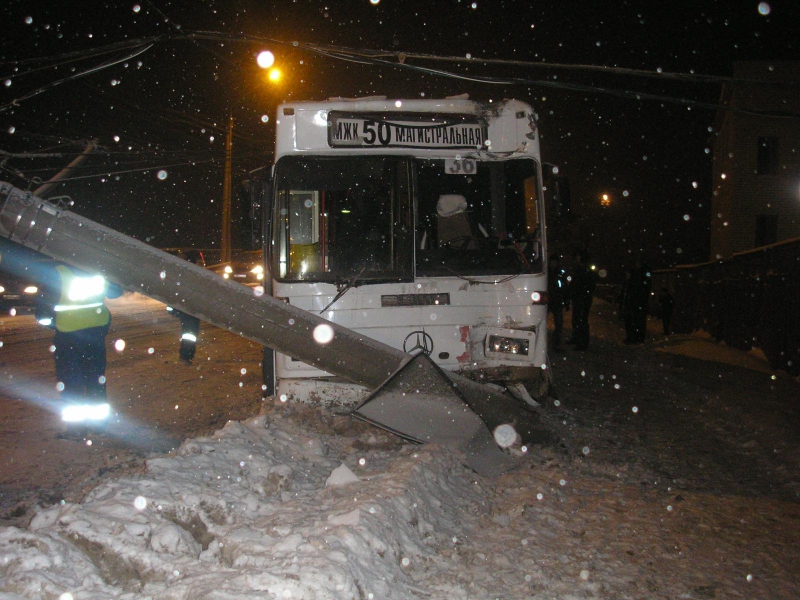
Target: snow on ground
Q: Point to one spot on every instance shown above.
(675, 478)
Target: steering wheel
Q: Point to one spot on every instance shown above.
(465, 242)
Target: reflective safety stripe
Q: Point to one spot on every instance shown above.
(63, 307)
(189, 336)
(78, 413)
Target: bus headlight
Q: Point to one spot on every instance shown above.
(506, 345)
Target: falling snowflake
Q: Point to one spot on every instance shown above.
(323, 334)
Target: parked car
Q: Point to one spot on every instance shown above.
(16, 292)
(245, 267)
(243, 272)
(18, 281)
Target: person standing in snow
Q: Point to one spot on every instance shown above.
(190, 331)
(581, 294)
(72, 303)
(558, 297)
(637, 297)
(667, 303)
(190, 325)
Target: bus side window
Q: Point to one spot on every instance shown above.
(304, 226)
(531, 209)
(532, 223)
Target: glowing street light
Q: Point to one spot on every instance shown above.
(265, 59)
(605, 200)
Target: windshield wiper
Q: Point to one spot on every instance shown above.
(345, 287)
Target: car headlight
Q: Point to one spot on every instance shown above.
(2, 290)
(31, 289)
(228, 269)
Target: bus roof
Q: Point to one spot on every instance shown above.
(453, 104)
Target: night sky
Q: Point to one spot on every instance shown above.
(166, 109)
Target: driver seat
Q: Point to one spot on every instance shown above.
(452, 221)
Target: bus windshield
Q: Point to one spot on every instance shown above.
(340, 218)
(477, 217)
(389, 218)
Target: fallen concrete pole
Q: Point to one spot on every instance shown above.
(136, 266)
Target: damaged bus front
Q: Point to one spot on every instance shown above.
(419, 223)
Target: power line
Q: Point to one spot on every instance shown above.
(621, 93)
(83, 73)
(178, 117)
(189, 163)
(400, 60)
(401, 57)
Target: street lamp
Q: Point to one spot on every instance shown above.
(265, 59)
(605, 200)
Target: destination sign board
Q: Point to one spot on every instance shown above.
(395, 130)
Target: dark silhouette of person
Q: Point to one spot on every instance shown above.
(667, 303)
(190, 325)
(581, 288)
(635, 302)
(558, 298)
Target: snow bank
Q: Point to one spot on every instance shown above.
(247, 513)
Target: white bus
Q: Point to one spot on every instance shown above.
(419, 223)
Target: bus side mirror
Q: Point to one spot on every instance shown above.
(557, 196)
(255, 198)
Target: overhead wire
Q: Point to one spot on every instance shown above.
(622, 93)
(83, 73)
(366, 55)
(177, 116)
(400, 61)
(190, 163)
(383, 59)
(54, 65)
(402, 56)
(85, 53)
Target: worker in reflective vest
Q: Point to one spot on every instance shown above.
(73, 304)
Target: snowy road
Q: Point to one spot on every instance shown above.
(161, 401)
(678, 477)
